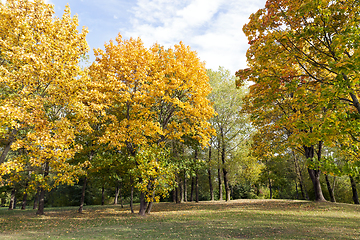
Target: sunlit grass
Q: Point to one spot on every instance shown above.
(239, 219)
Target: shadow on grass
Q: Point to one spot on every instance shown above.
(239, 219)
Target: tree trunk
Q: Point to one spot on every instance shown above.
(219, 172)
(120, 195)
(143, 204)
(36, 199)
(177, 190)
(227, 186)
(116, 195)
(7, 147)
(185, 187)
(132, 197)
(355, 100)
(296, 189)
(197, 187)
(149, 207)
(303, 189)
(210, 178)
(196, 177)
(192, 189)
(173, 193)
(181, 192)
(315, 178)
(82, 199)
(15, 200)
(270, 188)
(330, 189)
(232, 192)
(226, 179)
(211, 186)
(315, 173)
(12, 199)
(303, 186)
(132, 151)
(40, 210)
(220, 185)
(103, 195)
(23, 205)
(354, 191)
(333, 187)
(150, 204)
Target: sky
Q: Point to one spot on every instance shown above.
(212, 28)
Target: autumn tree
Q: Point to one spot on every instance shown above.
(40, 85)
(290, 116)
(322, 39)
(151, 95)
(307, 47)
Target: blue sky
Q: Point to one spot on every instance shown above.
(213, 28)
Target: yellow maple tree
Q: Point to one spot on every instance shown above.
(41, 83)
(150, 95)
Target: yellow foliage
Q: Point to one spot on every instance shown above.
(152, 94)
(40, 86)
(155, 173)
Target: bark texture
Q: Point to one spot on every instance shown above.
(315, 173)
(82, 199)
(299, 174)
(40, 210)
(116, 199)
(197, 187)
(103, 195)
(185, 188)
(143, 204)
(12, 199)
(132, 197)
(192, 189)
(354, 191)
(270, 188)
(7, 147)
(24, 201)
(220, 185)
(36, 199)
(226, 177)
(211, 186)
(330, 189)
(210, 178)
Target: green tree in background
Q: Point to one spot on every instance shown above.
(231, 146)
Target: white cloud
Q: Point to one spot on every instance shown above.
(211, 27)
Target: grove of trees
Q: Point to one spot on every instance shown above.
(147, 124)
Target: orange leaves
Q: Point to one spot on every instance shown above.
(301, 63)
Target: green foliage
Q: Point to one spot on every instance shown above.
(303, 67)
(233, 129)
(156, 171)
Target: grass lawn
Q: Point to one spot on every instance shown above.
(238, 219)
